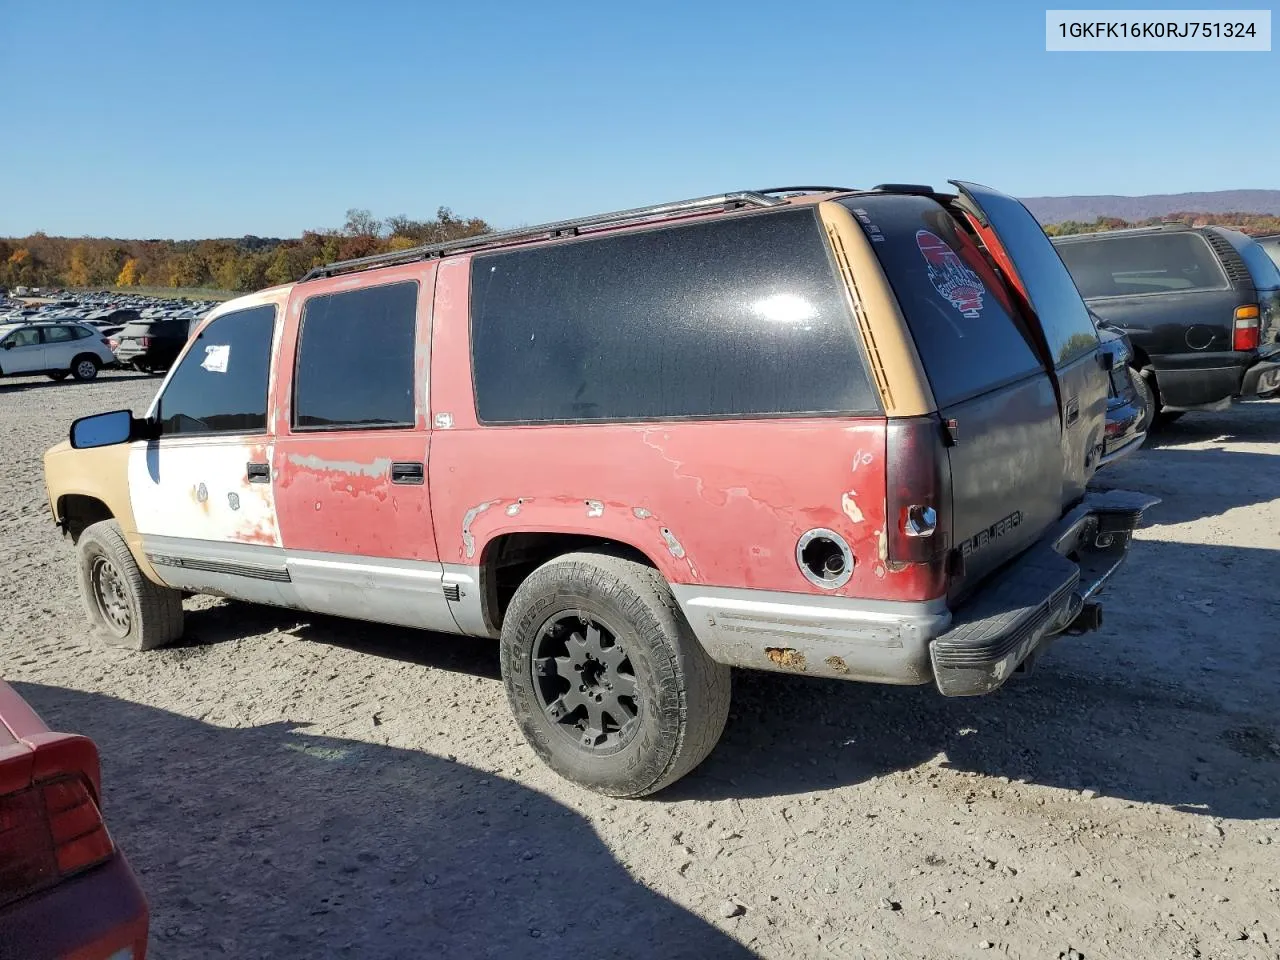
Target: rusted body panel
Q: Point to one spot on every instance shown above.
(709, 502)
(101, 474)
(333, 488)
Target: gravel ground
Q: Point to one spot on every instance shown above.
(301, 787)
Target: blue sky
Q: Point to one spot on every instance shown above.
(169, 119)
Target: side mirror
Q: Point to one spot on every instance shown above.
(102, 430)
(8, 344)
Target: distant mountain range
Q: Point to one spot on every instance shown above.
(1134, 209)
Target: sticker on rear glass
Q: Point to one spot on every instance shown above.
(950, 276)
(216, 356)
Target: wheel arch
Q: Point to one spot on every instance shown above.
(508, 558)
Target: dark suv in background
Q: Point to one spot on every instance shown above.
(151, 345)
(1200, 305)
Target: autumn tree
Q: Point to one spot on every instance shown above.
(128, 276)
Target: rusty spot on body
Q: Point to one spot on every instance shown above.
(786, 657)
(674, 546)
(837, 664)
(850, 507)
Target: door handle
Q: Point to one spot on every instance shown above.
(1073, 411)
(258, 472)
(408, 472)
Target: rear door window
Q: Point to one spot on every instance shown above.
(736, 317)
(1122, 266)
(356, 359)
(961, 316)
(59, 334)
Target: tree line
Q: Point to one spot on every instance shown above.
(242, 264)
(251, 263)
(1254, 224)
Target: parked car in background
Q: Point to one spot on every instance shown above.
(1200, 305)
(55, 349)
(151, 345)
(1129, 408)
(838, 433)
(1271, 246)
(66, 890)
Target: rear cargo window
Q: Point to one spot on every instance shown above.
(736, 317)
(1150, 263)
(961, 315)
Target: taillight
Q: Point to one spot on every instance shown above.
(105, 342)
(47, 833)
(1245, 332)
(144, 342)
(918, 514)
(114, 344)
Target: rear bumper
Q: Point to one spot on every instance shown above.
(1262, 380)
(1037, 597)
(97, 915)
(967, 651)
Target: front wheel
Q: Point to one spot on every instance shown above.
(121, 603)
(85, 368)
(605, 678)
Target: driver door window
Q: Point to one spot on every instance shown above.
(220, 386)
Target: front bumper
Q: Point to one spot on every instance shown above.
(1038, 596)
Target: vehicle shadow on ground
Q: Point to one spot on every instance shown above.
(20, 384)
(270, 842)
(227, 620)
(1195, 484)
(1167, 704)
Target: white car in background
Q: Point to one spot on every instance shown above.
(57, 349)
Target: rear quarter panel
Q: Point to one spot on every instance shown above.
(711, 502)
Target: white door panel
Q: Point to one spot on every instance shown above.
(23, 359)
(198, 488)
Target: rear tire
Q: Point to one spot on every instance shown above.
(85, 367)
(1146, 397)
(621, 732)
(122, 605)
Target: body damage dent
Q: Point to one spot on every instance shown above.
(469, 541)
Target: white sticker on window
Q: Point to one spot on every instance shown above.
(216, 356)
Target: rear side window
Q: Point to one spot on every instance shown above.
(960, 314)
(739, 317)
(220, 386)
(355, 359)
(1149, 263)
(59, 334)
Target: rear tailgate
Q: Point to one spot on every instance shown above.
(995, 397)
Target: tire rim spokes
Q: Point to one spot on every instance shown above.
(86, 369)
(110, 595)
(585, 682)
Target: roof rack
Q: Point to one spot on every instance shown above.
(774, 190)
(546, 231)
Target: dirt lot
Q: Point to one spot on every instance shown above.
(297, 787)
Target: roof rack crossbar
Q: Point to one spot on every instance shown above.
(561, 228)
(773, 190)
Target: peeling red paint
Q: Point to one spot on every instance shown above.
(333, 491)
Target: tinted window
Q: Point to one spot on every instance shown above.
(220, 386)
(1148, 263)
(355, 359)
(1063, 316)
(59, 334)
(737, 317)
(960, 313)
